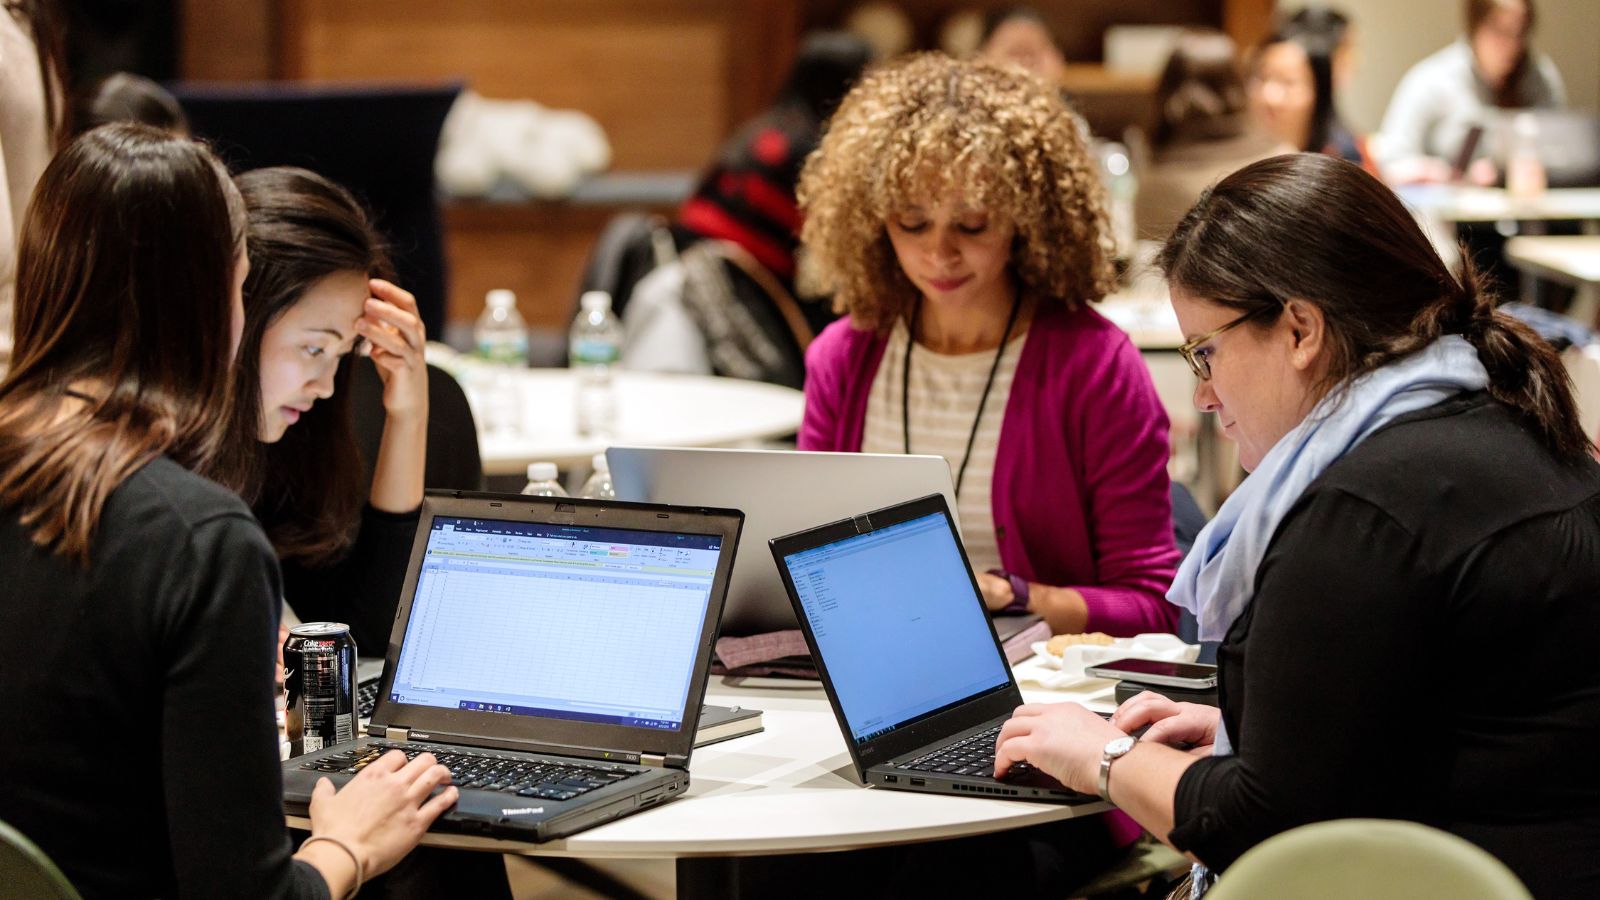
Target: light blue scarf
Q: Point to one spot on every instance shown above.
(1217, 579)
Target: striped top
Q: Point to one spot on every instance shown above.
(944, 401)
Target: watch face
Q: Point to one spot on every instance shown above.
(1119, 746)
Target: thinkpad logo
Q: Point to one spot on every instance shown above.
(524, 811)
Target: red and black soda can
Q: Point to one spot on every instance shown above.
(319, 676)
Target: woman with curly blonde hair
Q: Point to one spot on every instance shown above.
(954, 211)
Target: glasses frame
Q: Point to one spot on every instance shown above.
(1200, 366)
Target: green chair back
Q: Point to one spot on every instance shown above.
(25, 872)
(1375, 859)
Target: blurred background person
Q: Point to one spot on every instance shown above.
(1020, 35)
(1204, 131)
(126, 97)
(1438, 102)
(30, 121)
(1294, 84)
(747, 195)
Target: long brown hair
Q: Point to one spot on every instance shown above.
(1510, 93)
(306, 489)
(124, 325)
(1201, 93)
(1311, 227)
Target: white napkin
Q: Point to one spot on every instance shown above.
(1063, 671)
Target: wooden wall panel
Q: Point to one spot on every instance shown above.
(227, 40)
(666, 79)
(537, 250)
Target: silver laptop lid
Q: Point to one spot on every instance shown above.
(780, 491)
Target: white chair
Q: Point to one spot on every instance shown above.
(1375, 859)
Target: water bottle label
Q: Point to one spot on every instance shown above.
(591, 351)
(510, 353)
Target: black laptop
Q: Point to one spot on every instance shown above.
(907, 652)
(552, 652)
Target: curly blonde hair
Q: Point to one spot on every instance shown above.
(928, 125)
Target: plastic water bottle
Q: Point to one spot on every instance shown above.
(1525, 174)
(594, 346)
(1122, 186)
(599, 486)
(502, 340)
(542, 481)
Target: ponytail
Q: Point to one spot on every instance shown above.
(1525, 372)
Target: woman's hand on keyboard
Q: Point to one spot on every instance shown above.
(1186, 726)
(385, 809)
(1063, 740)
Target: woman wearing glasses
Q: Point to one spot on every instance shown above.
(954, 211)
(1420, 495)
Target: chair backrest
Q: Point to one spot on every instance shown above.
(1375, 859)
(25, 872)
(453, 459)
(377, 140)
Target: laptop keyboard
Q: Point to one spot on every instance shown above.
(366, 698)
(520, 775)
(972, 755)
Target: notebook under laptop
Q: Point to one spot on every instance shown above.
(553, 652)
(780, 491)
(907, 652)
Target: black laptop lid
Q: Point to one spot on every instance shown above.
(569, 625)
(897, 627)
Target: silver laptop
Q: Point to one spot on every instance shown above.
(552, 653)
(779, 491)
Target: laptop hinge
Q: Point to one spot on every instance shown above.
(654, 760)
(396, 734)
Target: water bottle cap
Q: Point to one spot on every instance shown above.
(542, 471)
(599, 463)
(593, 300)
(501, 297)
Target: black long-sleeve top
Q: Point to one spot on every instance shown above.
(361, 589)
(139, 749)
(1422, 646)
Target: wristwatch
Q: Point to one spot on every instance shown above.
(1115, 750)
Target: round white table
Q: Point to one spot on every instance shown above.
(652, 409)
(789, 789)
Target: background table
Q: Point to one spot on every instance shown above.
(1569, 259)
(788, 789)
(652, 409)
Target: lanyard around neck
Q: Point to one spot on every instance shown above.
(905, 385)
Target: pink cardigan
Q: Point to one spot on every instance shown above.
(1080, 493)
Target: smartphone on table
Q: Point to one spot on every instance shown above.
(1194, 676)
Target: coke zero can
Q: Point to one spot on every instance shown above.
(319, 672)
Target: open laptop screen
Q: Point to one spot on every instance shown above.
(559, 621)
(897, 623)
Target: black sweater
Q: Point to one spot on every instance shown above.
(139, 749)
(362, 589)
(1422, 646)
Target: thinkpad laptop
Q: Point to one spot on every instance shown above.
(552, 653)
(780, 491)
(907, 653)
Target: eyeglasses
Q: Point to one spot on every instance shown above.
(1200, 360)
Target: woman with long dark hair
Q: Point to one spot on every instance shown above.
(1293, 83)
(1493, 67)
(1421, 496)
(315, 294)
(142, 599)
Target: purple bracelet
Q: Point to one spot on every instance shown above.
(1019, 591)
